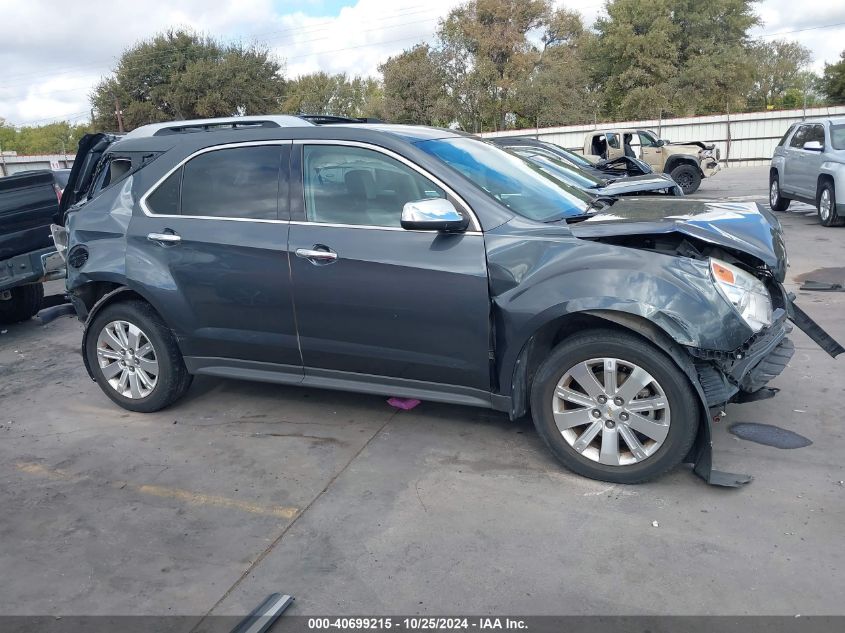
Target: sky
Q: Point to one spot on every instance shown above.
(51, 59)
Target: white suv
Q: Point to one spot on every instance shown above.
(809, 165)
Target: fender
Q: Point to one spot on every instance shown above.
(675, 160)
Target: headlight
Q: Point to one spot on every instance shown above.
(745, 292)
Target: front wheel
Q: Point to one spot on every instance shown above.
(826, 207)
(134, 357)
(614, 407)
(688, 177)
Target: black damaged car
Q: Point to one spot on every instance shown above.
(423, 263)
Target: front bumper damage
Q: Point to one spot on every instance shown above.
(742, 376)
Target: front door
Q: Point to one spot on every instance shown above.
(651, 153)
(211, 252)
(375, 300)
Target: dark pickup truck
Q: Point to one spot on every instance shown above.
(29, 204)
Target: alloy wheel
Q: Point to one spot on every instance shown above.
(824, 205)
(127, 359)
(773, 194)
(611, 411)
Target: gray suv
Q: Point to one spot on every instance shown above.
(423, 263)
(809, 165)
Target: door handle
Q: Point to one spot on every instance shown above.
(164, 239)
(317, 255)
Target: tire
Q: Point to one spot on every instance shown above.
(826, 206)
(135, 385)
(776, 201)
(671, 429)
(688, 177)
(24, 304)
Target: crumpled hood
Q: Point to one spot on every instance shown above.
(741, 226)
(646, 182)
(696, 143)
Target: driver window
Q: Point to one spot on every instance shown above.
(645, 139)
(612, 140)
(800, 137)
(358, 186)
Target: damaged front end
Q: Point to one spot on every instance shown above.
(742, 244)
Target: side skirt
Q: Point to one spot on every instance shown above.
(345, 381)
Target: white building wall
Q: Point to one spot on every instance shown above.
(11, 163)
(753, 135)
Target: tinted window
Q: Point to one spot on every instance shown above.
(353, 185)
(239, 182)
(817, 135)
(165, 199)
(646, 139)
(613, 140)
(800, 136)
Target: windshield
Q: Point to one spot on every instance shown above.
(509, 179)
(837, 136)
(557, 168)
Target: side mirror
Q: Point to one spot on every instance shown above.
(432, 214)
(813, 146)
(659, 142)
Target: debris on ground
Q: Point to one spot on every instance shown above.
(405, 404)
(655, 524)
(821, 286)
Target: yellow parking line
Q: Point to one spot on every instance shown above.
(186, 496)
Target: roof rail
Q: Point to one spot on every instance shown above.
(223, 123)
(328, 119)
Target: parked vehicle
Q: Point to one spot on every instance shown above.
(60, 178)
(423, 263)
(28, 206)
(618, 167)
(687, 163)
(809, 165)
(649, 184)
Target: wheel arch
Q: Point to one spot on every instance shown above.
(681, 159)
(554, 331)
(100, 295)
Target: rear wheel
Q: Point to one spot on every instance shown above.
(826, 206)
(776, 201)
(23, 303)
(687, 176)
(613, 407)
(134, 357)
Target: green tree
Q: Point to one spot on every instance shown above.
(675, 56)
(181, 75)
(415, 88)
(833, 80)
(337, 95)
(778, 69)
(54, 138)
(499, 55)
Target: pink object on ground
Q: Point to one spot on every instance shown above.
(406, 404)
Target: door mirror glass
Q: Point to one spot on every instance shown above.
(813, 146)
(659, 143)
(432, 214)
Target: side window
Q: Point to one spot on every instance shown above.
(613, 140)
(800, 137)
(165, 199)
(353, 185)
(646, 139)
(785, 136)
(239, 182)
(818, 134)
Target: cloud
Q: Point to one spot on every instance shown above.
(52, 58)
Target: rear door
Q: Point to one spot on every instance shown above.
(375, 302)
(211, 250)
